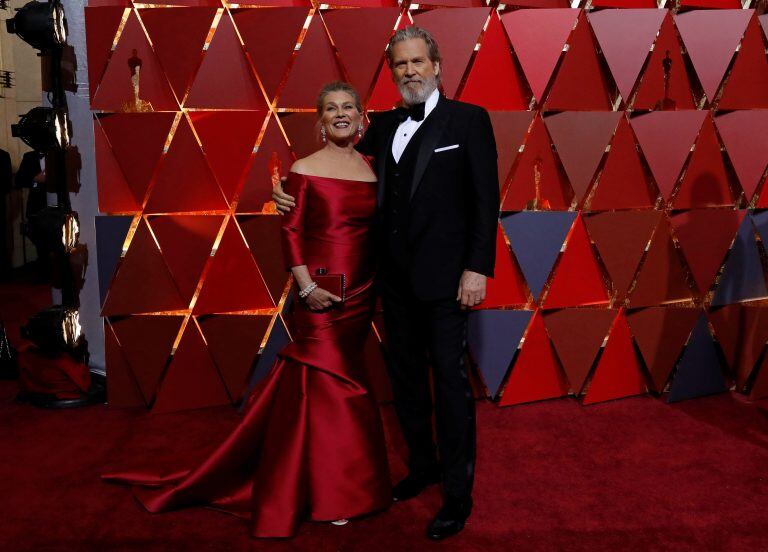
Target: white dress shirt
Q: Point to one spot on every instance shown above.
(409, 127)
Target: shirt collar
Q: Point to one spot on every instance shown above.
(431, 102)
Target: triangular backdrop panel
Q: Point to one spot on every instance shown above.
(361, 52)
(577, 335)
(625, 37)
(748, 156)
(621, 238)
(110, 236)
(747, 86)
(660, 334)
(186, 242)
(315, 65)
(742, 278)
(456, 30)
(269, 37)
(666, 138)
(192, 380)
(580, 138)
(536, 239)
(178, 37)
(711, 38)
(538, 37)
(493, 337)
(234, 342)
(536, 374)
(494, 81)
(225, 79)
(704, 236)
(699, 371)
(116, 90)
(618, 373)
(624, 182)
(741, 331)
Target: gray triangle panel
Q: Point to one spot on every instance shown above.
(493, 336)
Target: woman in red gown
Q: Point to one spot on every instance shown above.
(311, 443)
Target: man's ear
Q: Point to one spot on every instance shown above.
(437, 68)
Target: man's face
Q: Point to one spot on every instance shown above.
(413, 72)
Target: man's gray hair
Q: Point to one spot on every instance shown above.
(415, 32)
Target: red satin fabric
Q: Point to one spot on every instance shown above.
(311, 443)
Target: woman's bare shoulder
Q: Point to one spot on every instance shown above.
(306, 165)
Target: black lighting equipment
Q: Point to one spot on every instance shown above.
(43, 129)
(41, 25)
(55, 329)
(53, 229)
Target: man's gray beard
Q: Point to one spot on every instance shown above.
(412, 98)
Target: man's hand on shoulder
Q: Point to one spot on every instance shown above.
(471, 289)
(283, 201)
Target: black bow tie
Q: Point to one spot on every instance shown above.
(415, 112)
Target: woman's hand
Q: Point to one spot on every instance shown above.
(321, 299)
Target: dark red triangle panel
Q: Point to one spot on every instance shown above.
(577, 335)
(747, 83)
(257, 188)
(580, 138)
(137, 140)
(507, 287)
(262, 232)
(704, 236)
(538, 37)
(538, 157)
(147, 342)
(228, 139)
(234, 342)
(660, 334)
(581, 82)
(101, 24)
(661, 278)
(536, 374)
(143, 282)
(673, 92)
(577, 277)
(361, 52)
(618, 373)
(184, 181)
(225, 79)
(178, 37)
(186, 242)
(116, 91)
(269, 37)
(624, 182)
(456, 31)
(233, 281)
(192, 380)
(621, 238)
(315, 65)
(494, 81)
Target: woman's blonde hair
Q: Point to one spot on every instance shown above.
(337, 86)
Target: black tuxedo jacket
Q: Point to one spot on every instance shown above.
(454, 205)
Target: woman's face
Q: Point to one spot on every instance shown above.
(340, 116)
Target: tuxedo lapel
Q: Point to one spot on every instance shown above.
(434, 125)
(381, 160)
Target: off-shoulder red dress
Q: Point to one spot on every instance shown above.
(311, 443)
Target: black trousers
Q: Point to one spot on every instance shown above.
(420, 334)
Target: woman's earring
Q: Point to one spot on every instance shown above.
(360, 130)
(323, 137)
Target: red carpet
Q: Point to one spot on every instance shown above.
(634, 474)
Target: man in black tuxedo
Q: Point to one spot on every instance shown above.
(438, 200)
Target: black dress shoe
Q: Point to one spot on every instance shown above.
(450, 519)
(414, 483)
